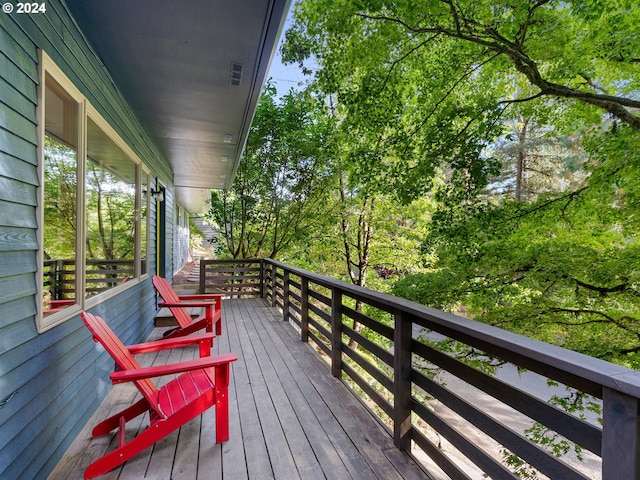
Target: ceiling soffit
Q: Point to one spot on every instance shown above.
(192, 72)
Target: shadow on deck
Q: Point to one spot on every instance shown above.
(289, 418)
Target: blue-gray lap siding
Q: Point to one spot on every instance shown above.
(51, 383)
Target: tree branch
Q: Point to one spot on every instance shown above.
(490, 38)
(521, 100)
(403, 57)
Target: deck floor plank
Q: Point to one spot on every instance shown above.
(281, 391)
(373, 443)
(288, 417)
(245, 455)
(323, 440)
(280, 456)
(341, 430)
(209, 454)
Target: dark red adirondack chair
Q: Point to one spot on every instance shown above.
(202, 383)
(179, 305)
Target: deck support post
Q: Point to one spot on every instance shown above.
(402, 339)
(304, 309)
(620, 435)
(336, 332)
(285, 296)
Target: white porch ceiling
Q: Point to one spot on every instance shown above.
(176, 64)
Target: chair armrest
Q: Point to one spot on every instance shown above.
(174, 342)
(186, 304)
(202, 296)
(158, 371)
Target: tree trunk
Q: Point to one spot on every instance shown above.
(361, 249)
(521, 164)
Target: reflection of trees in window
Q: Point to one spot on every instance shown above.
(60, 203)
(110, 207)
(60, 187)
(60, 225)
(94, 203)
(110, 215)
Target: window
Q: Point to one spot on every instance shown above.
(93, 208)
(110, 215)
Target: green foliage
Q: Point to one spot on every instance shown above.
(110, 213)
(279, 191)
(110, 207)
(424, 89)
(561, 269)
(60, 186)
(514, 125)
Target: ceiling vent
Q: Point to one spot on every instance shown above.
(236, 74)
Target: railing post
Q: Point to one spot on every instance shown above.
(262, 278)
(304, 309)
(336, 332)
(620, 435)
(203, 266)
(56, 283)
(274, 272)
(285, 296)
(402, 339)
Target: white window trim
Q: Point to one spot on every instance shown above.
(46, 66)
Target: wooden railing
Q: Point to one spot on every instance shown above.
(398, 355)
(235, 278)
(100, 275)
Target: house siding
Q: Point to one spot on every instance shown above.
(181, 239)
(51, 383)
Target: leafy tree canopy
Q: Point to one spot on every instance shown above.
(476, 100)
(279, 190)
(429, 84)
(563, 268)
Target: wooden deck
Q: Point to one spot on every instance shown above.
(288, 417)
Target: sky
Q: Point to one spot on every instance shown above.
(285, 77)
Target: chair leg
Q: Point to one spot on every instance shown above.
(155, 432)
(213, 314)
(121, 454)
(205, 348)
(113, 422)
(222, 403)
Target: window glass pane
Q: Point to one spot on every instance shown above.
(110, 213)
(60, 198)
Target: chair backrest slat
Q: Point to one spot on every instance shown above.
(102, 333)
(169, 295)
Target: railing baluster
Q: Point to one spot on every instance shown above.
(304, 307)
(274, 285)
(620, 436)
(285, 296)
(203, 276)
(402, 381)
(336, 332)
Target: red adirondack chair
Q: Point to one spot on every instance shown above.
(202, 383)
(179, 305)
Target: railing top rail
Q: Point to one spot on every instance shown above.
(592, 369)
(237, 260)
